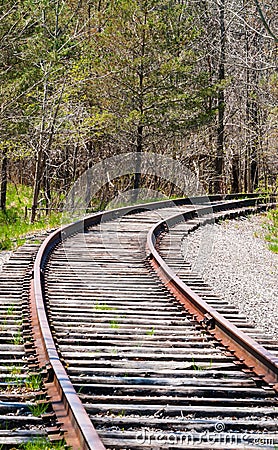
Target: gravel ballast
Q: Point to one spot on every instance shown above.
(239, 267)
(4, 257)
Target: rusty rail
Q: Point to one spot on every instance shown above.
(263, 363)
(79, 430)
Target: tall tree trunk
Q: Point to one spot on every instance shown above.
(252, 80)
(140, 128)
(4, 177)
(252, 118)
(47, 190)
(219, 162)
(37, 184)
(235, 175)
(39, 158)
(137, 177)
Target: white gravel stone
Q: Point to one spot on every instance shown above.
(239, 267)
(4, 257)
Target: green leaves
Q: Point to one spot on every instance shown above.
(143, 66)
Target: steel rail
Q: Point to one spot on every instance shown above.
(79, 430)
(259, 360)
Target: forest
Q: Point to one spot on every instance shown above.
(81, 81)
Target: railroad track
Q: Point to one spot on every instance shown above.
(111, 323)
(24, 411)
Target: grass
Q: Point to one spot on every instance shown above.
(33, 382)
(197, 367)
(114, 351)
(38, 409)
(17, 338)
(272, 230)
(13, 381)
(114, 324)
(15, 369)
(103, 307)
(10, 310)
(14, 227)
(41, 443)
(150, 332)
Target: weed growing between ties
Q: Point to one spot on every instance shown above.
(114, 324)
(10, 310)
(17, 338)
(197, 367)
(150, 332)
(14, 379)
(103, 307)
(33, 382)
(41, 443)
(38, 409)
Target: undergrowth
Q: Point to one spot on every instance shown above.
(272, 227)
(14, 227)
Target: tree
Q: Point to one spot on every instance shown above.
(144, 84)
(47, 47)
(219, 162)
(12, 25)
(265, 22)
(240, 57)
(85, 80)
(4, 179)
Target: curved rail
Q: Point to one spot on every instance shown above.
(255, 356)
(80, 432)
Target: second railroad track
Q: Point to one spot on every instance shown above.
(139, 352)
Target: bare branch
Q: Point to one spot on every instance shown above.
(264, 21)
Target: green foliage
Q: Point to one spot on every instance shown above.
(14, 225)
(17, 338)
(41, 443)
(150, 332)
(114, 324)
(81, 81)
(38, 409)
(142, 70)
(272, 226)
(38, 42)
(33, 382)
(103, 307)
(14, 380)
(15, 370)
(198, 367)
(10, 310)
(121, 413)
(273, 246)
(114, 351)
